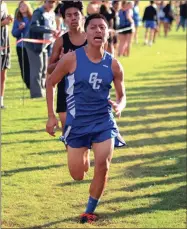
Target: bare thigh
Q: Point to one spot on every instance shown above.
(103, 152)
(77, 161)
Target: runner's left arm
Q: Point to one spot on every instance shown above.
(118, 73)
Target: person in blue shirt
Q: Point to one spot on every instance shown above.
(89, 122)
(42, 27)
(126, 23)
(19, 30)
(169, 17)
(161, 15)
(151, 20)
(108, 12)
(116, 5)
(137, 19)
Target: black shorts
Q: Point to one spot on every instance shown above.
(110, 39)
(61, 97)
(126, 32)
(115, 39)
(129, 30)
(5, 61)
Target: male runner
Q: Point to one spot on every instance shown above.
(89, 122)
(70, 41)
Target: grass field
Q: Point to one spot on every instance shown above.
(147, 184)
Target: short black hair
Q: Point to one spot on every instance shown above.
(94, 16)
(71, 4)
(152, 2)
(114, 2)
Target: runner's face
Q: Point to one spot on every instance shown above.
(73, 18)
(97, 32)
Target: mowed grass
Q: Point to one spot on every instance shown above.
(147, 183)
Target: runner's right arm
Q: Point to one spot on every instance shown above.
(54, 58)
(65, 65)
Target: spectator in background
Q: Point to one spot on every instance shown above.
(116, 5)
(72, 13)
(109, 14)
(5, 49)
(161, 15)
(126, 23)
(137, 19)
(177, 11)
(20, 29)
(43, 27)
(150, 19)
(169, 17)
(58, 15)
(183, 16)
(93, 7)
(156, 30)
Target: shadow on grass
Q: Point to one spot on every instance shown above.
(155, 141)
(153, 103)
(24, 132)
(50, 224)
(152, 184)
(152, 120)
(172, 66)
(172, 72)
(10, 90)
(30, 141)
(154, 93)
(50, 152)
(28, 169)
(73, 183)
(31, 119)
(149, 170)
(152, 78)
(168, 201)
(171, 200)
(160, 155)
(157, 92)
(163, 110)
(153, 130)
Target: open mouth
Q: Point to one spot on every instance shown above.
(98, 38)
(74, 23)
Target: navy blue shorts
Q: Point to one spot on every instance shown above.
(86, 140)
(167, 20)
(150, 25)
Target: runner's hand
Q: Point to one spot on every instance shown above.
(116, 107)
(52, 124)
(56, 33)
